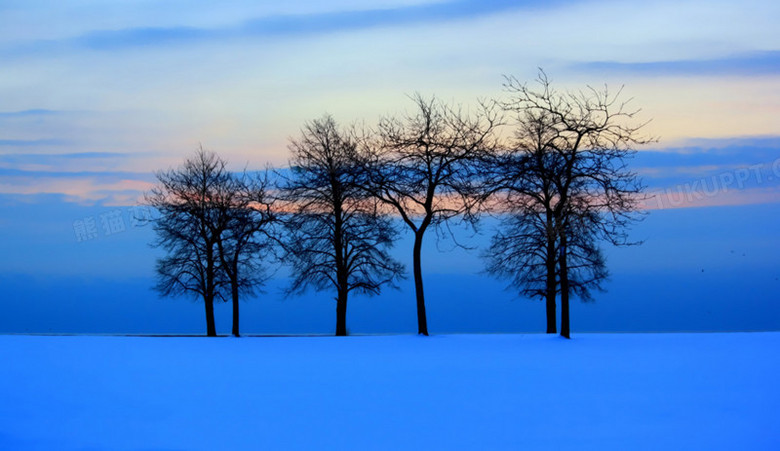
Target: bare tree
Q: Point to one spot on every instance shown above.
(337, 237)
(571, 151)
(189, 229)
(213, 225)
(525, 249)
(246, 218)
(423, 168)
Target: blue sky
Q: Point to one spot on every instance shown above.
(96, 95)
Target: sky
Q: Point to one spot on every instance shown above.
(97, 95)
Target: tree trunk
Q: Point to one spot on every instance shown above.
(551, 284)
(341, 314)
(422, 321)
(234, 292)
(550, 307)
(211, 330)
(564, 290)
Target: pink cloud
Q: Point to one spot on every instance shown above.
(81, 190)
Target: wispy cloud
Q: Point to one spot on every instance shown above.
(106, 164)
(277, 26)
(32, 142)
(731, 172)
(713, 152)
(104, 189)
(81, 177)
(28, 113)
(753, 63)
(44, 158)
(32, 174)
(682, 197)
(712, 172)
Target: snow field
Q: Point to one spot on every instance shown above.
(596, 391)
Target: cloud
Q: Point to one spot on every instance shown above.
(32, 142)
(713, 152)
(715, 172)
(106, 189)
(65, 165)
(704, 171)
(82, 177)
(746, 64)
(56, 161)
(28, 113)
(681, 197)
(278, 25)
(350, 20)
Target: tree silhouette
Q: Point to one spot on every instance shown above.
(211, 224)
(423, 167)
(188, 228)
(525, 249)
(246, 219)
(337, 237)
(566, 182)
